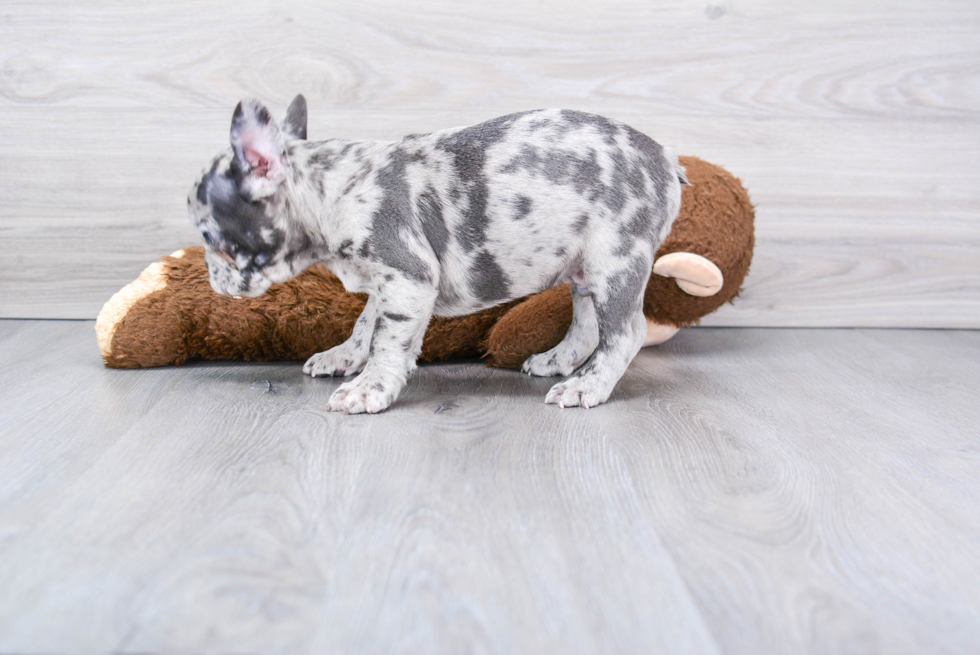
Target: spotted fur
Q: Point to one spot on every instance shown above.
(447, 223)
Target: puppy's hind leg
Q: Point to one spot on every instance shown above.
(579, 342)
(618, 297)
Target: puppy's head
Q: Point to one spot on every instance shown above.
(238, 204)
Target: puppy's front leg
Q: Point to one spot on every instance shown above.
(349, 357)
(404, 310)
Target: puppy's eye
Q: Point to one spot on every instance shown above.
(261, 259)
(208, 239)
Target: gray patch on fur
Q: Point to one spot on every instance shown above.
(639, 226)
(385, 243)
(468, 148)
(561, 168)
(429, 209)
(622, 299)
(358, 177)
(523, 208)
(323, 160)
(487, 280)
(345, 249)
(615, 196)
(655, 164)
(240, 222)
(604, 126)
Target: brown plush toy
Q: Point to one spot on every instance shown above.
(170, 313)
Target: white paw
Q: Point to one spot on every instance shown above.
(548, 364)
(585, 391)
(336, 361)
(361, 396)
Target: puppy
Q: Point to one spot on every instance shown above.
(447, 223)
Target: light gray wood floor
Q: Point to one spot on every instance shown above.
(744, 491)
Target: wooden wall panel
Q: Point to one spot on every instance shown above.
(856, 129)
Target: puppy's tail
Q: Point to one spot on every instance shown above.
(675, 163)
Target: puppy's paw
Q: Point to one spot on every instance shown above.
(583, 391)
(548, 364)
(360, 396)
(340, 360)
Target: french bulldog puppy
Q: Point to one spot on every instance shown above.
(447, 223)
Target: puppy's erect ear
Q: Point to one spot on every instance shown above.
(294, 123)
(258, 146)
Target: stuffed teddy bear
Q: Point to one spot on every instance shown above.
(170, 313)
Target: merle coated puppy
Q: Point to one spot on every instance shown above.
(447, 223)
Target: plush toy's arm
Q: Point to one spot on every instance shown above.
(170, 314)
(153, 343)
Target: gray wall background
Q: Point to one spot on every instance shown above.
(854, 126)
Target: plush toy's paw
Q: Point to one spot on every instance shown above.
(364, 394)
(658, 332)
(582, 391)
(340, 361)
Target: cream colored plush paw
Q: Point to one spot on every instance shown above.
(658, 333)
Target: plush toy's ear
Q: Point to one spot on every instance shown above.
(294, 123)
(258, 146)
(696, 275)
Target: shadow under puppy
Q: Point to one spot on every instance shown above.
(447, 223)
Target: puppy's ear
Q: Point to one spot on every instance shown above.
(258, 146)
(294, 123)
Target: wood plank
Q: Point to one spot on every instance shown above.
(792, 472)
(69, 425)
(854, 127)
(912, 59)
(745, 490)
(272, 502)
(848, 233)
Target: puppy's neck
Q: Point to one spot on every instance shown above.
(324, 175)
